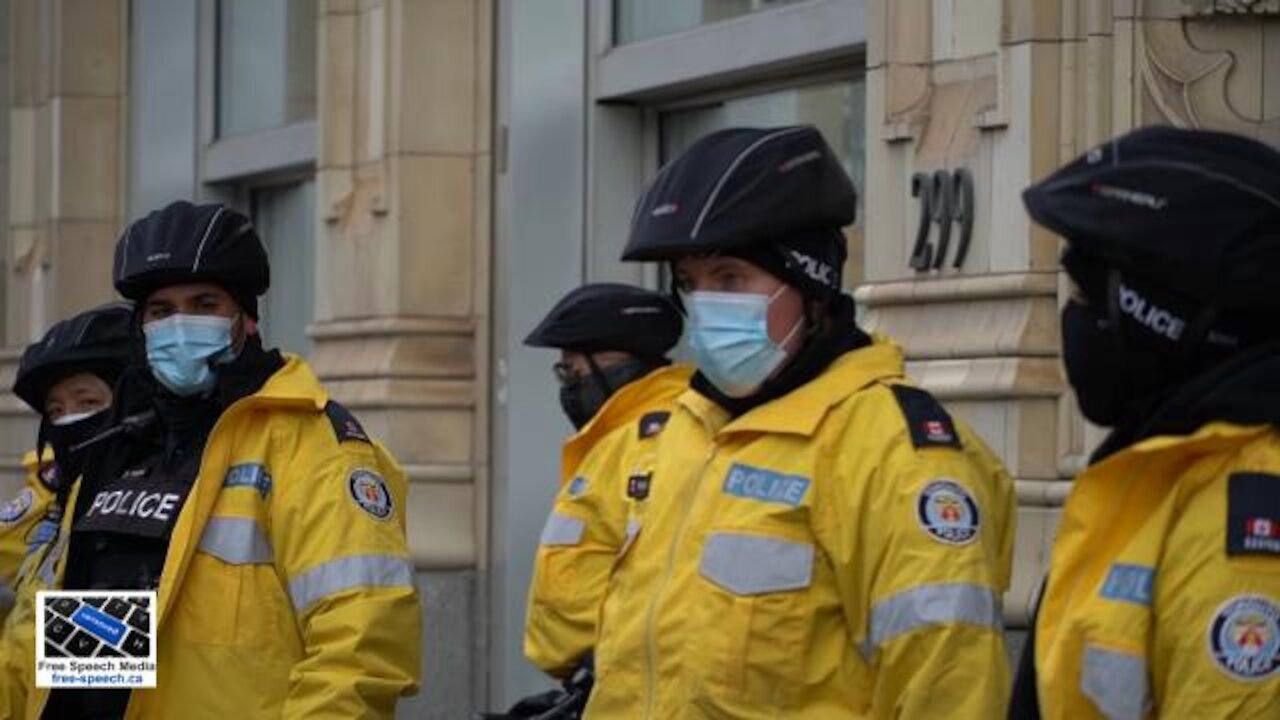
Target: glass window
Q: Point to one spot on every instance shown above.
(285, 218)
(266, 64)
(640, 19)
(837, 109)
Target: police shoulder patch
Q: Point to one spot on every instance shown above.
(16, 508)
(577, 486)
(370, 493)
(929, 423)
(1253, 514)
(652, 424)
(1244, 637)
(948, 513)
(345, 425)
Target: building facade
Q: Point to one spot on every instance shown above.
(430, 175)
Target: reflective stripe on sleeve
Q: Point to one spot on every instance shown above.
(1116, 682)
(345, 573)
(562, 530)
(957, 603)
(236, 541)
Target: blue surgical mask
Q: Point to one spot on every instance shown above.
(182, 348)
(729, 335)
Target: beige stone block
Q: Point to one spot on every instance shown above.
(1099, 16)
(1031, 20)
(1033, 438)
(943, 32)
(482, 139)
(85, 185)
(422, 436)
(389, 348)
(1161, 9)
(337, 89)
(1098, 112)
(89, 49)
(358, 251)
(370, 142)
(23, 151)
(436, 234)
(340, 7)
(1032, 550)
(82, 256)
(440, 523)
(433, 76)
(875, 18)
(29, 33)
(1126, 84)
(975, 27)
(910, 33)
(1124, 9)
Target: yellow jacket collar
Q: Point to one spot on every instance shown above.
(293, 385)
(620, 408)
(1210, 435)
(800, 411)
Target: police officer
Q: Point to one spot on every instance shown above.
(1163, 597)
(270, 523)
(616, 387)
(822, 538)
(67, 376)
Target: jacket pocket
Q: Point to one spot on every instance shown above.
(231, 594)
(755, 617)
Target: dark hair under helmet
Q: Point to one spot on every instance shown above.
(186, 243)
(610, 316)
(95, 341)
(777, 197)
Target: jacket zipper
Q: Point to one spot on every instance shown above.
(651, 636)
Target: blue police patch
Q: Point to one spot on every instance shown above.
(948, 512)
(577, 486)
(16, 508)
(1129, 583)
(249, 475)
(1244, 638)
(756, 483)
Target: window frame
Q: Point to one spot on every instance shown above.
(631, 85)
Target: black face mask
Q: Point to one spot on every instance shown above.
(583, 397)
(1095, 365)
(64, 437)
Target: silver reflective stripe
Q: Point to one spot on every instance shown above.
(956, 603)
(7, 596)
(633, 529)
(345, 573)
(49, 568)
(237, 541)
(562, 530)
(751, 565)
(1116, 683)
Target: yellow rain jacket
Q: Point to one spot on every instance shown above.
(1164, 588)
(27, 521)
(287, 589)
(605, 471)
(839, 552)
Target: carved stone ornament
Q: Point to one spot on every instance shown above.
(1192, 87)
(1233, 7)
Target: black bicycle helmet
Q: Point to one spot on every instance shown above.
(186, 243)
(610, 316)
(775, 196)
(1193, 211)
(96, 341)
